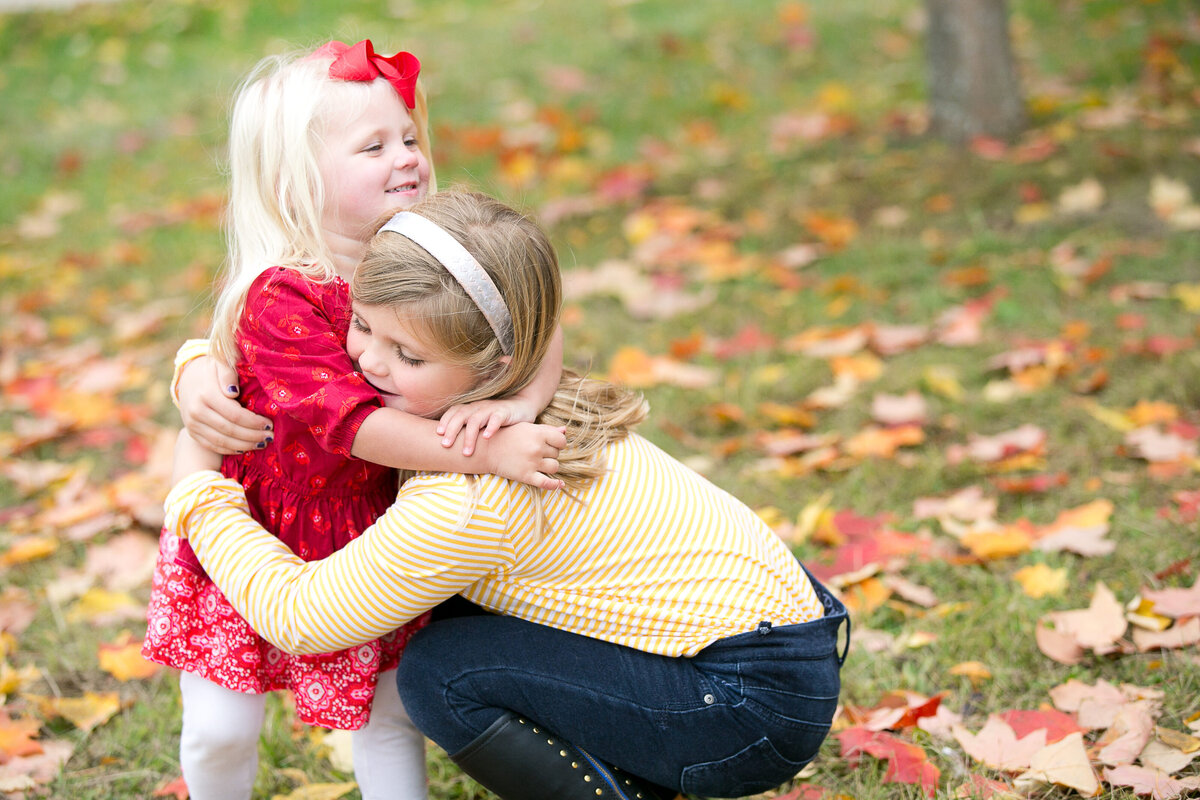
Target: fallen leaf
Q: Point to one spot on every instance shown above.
(29, 772)
(1055, 723)
(176, 788)
(1161, 756)
(1151, 782)
(1083, 197)
(1042, 580)
(1129, 734)
(1175, 602)
(123, 659)
(1097, 628)
(1064, 763)
(17, 736)
(906, 762)
(997, 746)
(1181, 634)
(974, 670)
(85, 713)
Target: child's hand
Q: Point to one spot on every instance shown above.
(486, 416)
(211, 412)
(528, 453)
(191, 457)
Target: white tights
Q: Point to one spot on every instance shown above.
(218, 748)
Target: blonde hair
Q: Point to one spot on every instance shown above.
(522, 263)
(276, 192)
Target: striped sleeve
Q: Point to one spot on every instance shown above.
(424, 549)
(188, 352)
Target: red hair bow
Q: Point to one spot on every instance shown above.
(360, 62)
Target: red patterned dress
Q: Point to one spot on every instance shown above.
(304, 487)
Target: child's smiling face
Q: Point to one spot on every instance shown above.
(393, 353)
(370, 162)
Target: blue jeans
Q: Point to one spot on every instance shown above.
(740, 717)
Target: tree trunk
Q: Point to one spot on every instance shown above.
(973, 84)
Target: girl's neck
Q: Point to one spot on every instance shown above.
(346, 252)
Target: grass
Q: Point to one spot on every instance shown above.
(119, 121)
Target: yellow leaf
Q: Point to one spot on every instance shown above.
(1003, 543)
(834, 97)
(123, 659)
(28, 548)
(1033, 213)
(1041, 580)
(1189, 295)
(1177, 739)
(943, 380)
(1116, 420)
(973, 670)
(860, 366)
(101, 604)
(918, 639)
(813, 516)
(1147, 412)
(84, 712)
(1097, 512)
(13, 680)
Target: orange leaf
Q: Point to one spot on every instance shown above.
(17, 737)
(123, 659)
(1006, 542)
(176, 788)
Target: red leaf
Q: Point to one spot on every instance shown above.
(907, 762)
(1055, 723)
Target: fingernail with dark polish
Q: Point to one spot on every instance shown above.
(260, 445)
(232, 389)
(270, 439)
(269, 427)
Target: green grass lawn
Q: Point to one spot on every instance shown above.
(769, 159)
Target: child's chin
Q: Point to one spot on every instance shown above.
(393, 401)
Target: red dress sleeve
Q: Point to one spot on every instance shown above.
(293, 342)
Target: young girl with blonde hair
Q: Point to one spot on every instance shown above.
(638, 634)
(320, 145)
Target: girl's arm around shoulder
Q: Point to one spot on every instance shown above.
(525, 452)
(205, 391)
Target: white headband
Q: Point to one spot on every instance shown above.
(462, 265)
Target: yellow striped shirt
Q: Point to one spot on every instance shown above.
(651, 556)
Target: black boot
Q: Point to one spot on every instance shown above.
(519, 760)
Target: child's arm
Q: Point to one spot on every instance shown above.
(524, 452)
(205, 390)
(489, 416)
